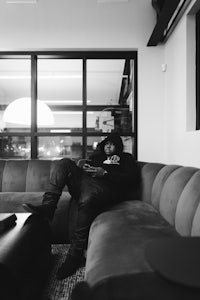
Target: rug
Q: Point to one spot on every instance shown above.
(60, 289)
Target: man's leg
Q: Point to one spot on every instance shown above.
(66, 173)
(94, 198)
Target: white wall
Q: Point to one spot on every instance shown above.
(86, 24)
(182, 142)
(150, 105)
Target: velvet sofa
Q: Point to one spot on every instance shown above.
(25, 181)
(165, 205)
(116, 265)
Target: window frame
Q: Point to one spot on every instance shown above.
(198, 70)
(84, 56)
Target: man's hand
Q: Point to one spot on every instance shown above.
(94, 171)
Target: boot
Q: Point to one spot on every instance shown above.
(71, 264)
(46, 211)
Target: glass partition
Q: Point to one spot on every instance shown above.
(15, 92)
(60, 87)
(57, 147)
(73, 99)
(15, 147)
(104, 78)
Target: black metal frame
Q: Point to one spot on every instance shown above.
(64, 54)
(198, 70)
(162, 30)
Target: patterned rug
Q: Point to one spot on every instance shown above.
(60, 289)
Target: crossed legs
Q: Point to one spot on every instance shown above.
(92, 197)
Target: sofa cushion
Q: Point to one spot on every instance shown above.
(143, 286)
(187, 221)
(12, 202)
(172, 191)
(118, 239)
(14, 176)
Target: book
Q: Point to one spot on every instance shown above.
(7, 220)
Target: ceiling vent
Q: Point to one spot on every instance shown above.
(21, 1)
(111, 1)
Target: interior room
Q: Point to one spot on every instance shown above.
(165, 89)
(72, 73)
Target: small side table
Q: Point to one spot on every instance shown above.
(176, 259)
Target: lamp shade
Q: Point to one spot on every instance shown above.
(19, 112)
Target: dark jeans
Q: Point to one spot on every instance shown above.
(92, 195)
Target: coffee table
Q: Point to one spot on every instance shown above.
(8, 236)
(25, 252)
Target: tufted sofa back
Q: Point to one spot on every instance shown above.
(25, 175)
(172, 189)
(175, 191)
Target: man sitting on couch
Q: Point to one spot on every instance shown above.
(102, 182)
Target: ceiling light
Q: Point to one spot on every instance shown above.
(49, 75)
(19, 112)
(60, 130)
(15, 76)
(71, 112)
(58, 102)
(21, 1)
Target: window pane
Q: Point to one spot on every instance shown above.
(110, 83)
(108, 80)
(64, 121)
(60, 81)
(128, 144)
(15, 147)
(60, 146)
(104, 80)
(93, 141)
(15, 84)
(60, 85)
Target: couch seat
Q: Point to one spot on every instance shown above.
(12, 202)
(116, 247)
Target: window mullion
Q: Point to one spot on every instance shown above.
(84, 108)
(33, 106)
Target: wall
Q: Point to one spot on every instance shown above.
(78, 24)
(182, 141)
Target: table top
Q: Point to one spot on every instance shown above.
(8, 236)
(176, 259)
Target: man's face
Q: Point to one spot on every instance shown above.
(109, 148)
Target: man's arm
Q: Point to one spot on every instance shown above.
(129, 174)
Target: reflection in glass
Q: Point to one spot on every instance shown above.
(128, 144)
(64, 121)
(15, 147)
(109, 119)
(15, 82)
(60, 85)
(60, 146)
(104, 79)
(60, 81)
(110, 83)
(19, 112)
